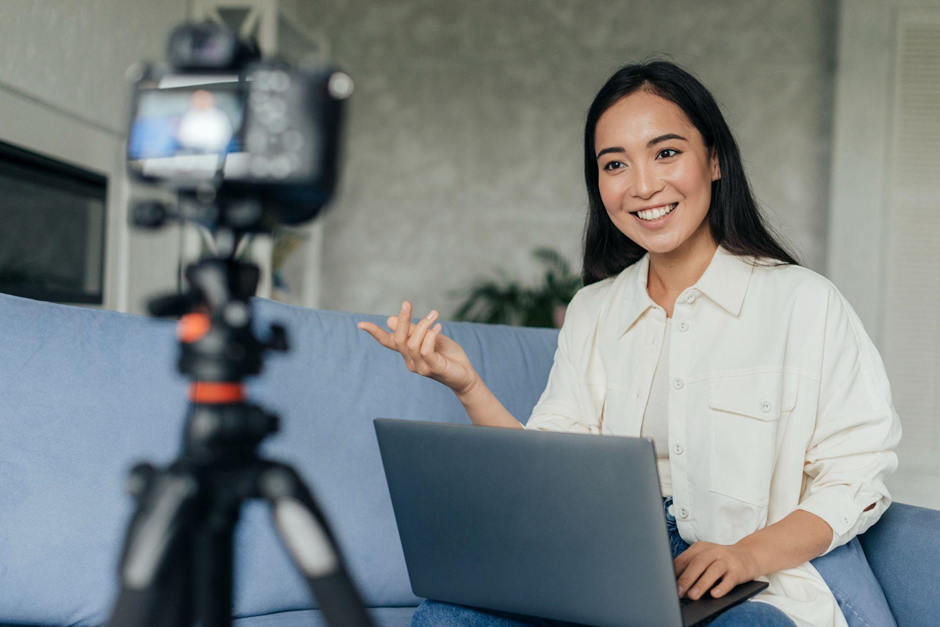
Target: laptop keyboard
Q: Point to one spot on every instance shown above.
(684, 601)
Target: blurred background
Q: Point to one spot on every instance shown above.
(462, 187)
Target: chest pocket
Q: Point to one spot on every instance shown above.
(744, 413)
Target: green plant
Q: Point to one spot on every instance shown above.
(514, 304)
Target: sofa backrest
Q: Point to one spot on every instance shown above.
(903, 549)
(85, 394)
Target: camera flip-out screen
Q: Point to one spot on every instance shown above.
(188, 127)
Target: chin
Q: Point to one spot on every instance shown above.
(661, 247)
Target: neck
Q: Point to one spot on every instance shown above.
(672, 272)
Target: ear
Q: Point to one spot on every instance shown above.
(716, 167)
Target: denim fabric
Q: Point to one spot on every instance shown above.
(748, 614)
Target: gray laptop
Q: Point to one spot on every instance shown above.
(557, 525)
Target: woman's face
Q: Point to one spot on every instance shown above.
(650, 155)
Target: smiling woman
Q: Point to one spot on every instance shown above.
(767, 403)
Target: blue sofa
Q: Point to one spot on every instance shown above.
(84, 394)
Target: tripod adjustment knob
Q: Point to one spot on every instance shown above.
(139, 480)
(151, 214)
(263, 423)
(278, 339)
(273, 422)
(172, 305)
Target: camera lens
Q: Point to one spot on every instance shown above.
(205, 45)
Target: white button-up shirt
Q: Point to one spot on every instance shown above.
(778, 400)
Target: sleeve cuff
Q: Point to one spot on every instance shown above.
(559, 423)
(838, 510)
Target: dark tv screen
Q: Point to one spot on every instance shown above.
(52, 228)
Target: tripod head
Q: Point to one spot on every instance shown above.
(218, 350)
(215, 330)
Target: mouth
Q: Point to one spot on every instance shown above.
(655, 217)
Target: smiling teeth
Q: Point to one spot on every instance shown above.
(655, 214)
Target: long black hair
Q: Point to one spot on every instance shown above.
(734, 218)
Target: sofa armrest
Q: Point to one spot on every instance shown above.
(903, 549)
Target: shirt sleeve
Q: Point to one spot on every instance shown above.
(562, 406)
(851, 450)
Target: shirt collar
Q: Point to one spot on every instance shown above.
(725, 282)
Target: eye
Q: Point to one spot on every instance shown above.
(669, 150)
(610, 163)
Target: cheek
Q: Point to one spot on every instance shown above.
(611, 193)
(690, 180)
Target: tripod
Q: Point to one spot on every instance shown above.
(176, 565)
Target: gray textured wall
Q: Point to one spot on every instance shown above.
(463, 148)
(72, 55)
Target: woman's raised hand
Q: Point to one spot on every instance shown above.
(425, 350)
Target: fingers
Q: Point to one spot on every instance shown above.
(713, 573)
(682, 562)
(414, 344)
(727, 584)
(692, 572)
(427, 346)
(401, 331)
(382, 337)
(417, 336)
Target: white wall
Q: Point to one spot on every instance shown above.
(892, 290)
(63, 94)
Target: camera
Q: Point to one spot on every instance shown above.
(258, 138)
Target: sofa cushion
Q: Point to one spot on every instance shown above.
(903, 549)
(854, 586)
(381, 616)
(85, 394)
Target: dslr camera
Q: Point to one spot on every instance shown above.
(247, 143)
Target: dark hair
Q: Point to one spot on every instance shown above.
(734, 218)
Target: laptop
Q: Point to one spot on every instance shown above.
(562, 526)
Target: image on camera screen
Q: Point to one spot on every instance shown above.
(185, 131)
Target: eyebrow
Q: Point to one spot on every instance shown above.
(649, 144)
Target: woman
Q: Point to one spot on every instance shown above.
(768, 404)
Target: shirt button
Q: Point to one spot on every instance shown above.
(677, 384)
(689, 297)
(765, 406)
(677, 448)
(683, 326)
(683, 512)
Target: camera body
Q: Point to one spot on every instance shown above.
(219, 119)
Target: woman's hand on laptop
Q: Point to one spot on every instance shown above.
(425, 350)
(700, 566)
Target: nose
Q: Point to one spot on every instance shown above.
(645, 182)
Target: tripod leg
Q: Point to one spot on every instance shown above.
(154, 573)
(311, 544)
(213, 557)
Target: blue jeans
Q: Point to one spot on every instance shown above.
(438, 614)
